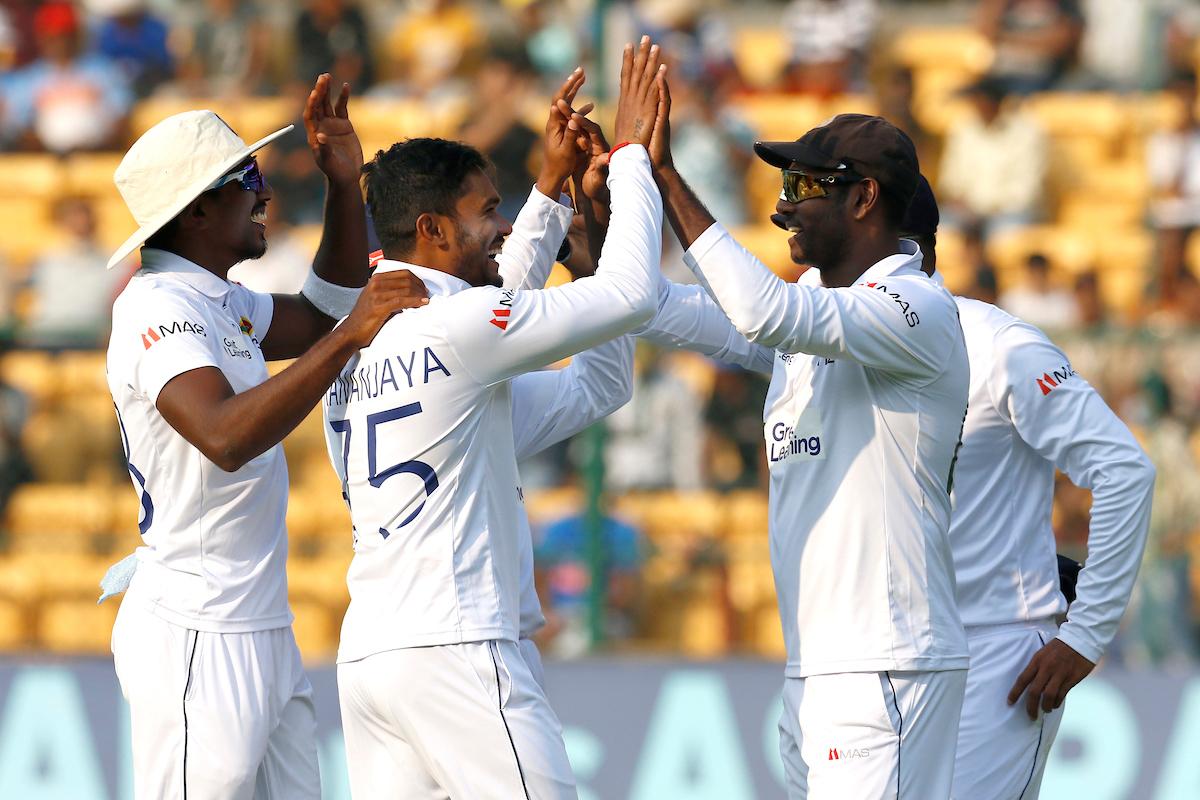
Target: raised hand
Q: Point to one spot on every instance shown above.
(331, 137)
(591, 173)
(660, 140)
(560, 152)
(637, 107)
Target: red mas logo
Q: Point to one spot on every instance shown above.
(500, 316)
(1050, 380)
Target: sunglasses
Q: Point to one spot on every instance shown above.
(798, 186)
(249, 177)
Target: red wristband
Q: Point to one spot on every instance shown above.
(619, 146)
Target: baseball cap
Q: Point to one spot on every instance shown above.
(172, 164)
(867, 145)
(922, 217)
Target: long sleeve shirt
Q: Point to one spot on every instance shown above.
(861, 424)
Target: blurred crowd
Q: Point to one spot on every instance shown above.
(74, 73)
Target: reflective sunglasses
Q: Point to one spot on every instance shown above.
(799, 185)
(248, 177)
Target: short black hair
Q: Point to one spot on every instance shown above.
(415, 177)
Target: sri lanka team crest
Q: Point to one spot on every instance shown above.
(246, 326)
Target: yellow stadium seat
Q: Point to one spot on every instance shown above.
(84, 373)
(14, 627)
(77, 626)
(704, 631)
(57, 517)
(21, 577)
(382, 122)
(746, 514)
(321, 579)
(69, 575)
(34, 372)
(260, 116)
(315, 630)
(847, 104)
(768, 633)
(31, 175)
(1079, 113)
(1153, 111)
(761, 55)
(962, 46)
(546, 505)
(780, 116)
(114, 223)
(91, 173)
(1068, 250)
(28, 230)
(692, 513)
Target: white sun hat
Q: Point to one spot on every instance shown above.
(172, 164)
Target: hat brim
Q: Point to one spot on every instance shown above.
(191, 193)
(783, 154)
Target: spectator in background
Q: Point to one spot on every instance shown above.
(1093, 315)
(550, 41)
(15, 468)
(563, 575)
(711, 144)
(434, 44)
(66, 100)
(829, 40)
(1039, 301)
(698, 40)
(295, 180)
(332, 36)
(1036, 41)
(1173, 164)
(736, 458)
(895, 95)
(71, 292)
(20, 46)
(135, 40)
(994, 166)
(655, 440)
(983, 274)
(223, 49)
(504, 85)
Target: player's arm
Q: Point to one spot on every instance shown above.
(498, 335)
(689, 319)
(195, 398)
(1065, 420)
(341, 257)
(529, 251)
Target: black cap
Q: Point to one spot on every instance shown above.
(922, 217)
(860, 143)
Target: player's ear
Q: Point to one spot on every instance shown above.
(864, 196)
(432, 229)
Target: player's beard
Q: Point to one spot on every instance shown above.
(823, 241)
(477, 269)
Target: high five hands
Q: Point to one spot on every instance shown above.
(331, 137)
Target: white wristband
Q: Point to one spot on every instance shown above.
(329, 298)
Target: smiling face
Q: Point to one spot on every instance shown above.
(819, 226)
(238, 219)
(477, 231)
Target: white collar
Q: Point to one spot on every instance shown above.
(436, 281)
(164, 262)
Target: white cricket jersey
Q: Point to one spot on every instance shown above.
(861, 423)
(420, 429)
(1028, 413)
(215, 542)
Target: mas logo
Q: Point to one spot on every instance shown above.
(155, 333)
(246, 326)
(374, 259)
(840, 754)
(1049, 381)
(501, 315)
(910, 316)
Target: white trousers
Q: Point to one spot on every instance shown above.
(1001, 752)
(463, 721)
(870, 735)
(215, 716)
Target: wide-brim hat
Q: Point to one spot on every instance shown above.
(172, 164)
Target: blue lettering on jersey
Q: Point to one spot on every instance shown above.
(374, 379)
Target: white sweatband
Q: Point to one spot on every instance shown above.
(329, 298)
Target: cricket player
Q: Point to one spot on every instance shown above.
(436, 697)
(1030, 412)
(203, 647)
(862, 422)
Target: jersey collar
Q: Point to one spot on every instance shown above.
(163, 262)
(436, 281)
(907, 261)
